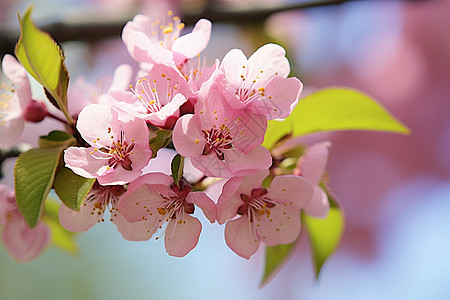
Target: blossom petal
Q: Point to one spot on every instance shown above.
(271, 59)
(81, 162)
(22, 242)
(290, 189)
(281, 226)
(136, 231)
(318, 206)
(205, 203)
(140, 204)
(83, 219)
(312, 163)
(11, 129)
(182, 236)
(229, 200)
(245, 164)
(188, 138)
(241, 238)
(284, 95)
(195, 42)
(18, 76)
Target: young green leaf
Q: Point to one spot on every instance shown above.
(56, 139)
(71, 188)
(276, 256)
(177, 168)
(161, 140)
(333, 109)
(43, 59)
(324, 234)
(61, 237)
(33, 179)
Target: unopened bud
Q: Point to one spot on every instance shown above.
(35, 112)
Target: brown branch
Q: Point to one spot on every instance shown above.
(92, 30)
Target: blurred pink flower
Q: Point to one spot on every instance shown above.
(154, 199)
(151, 41)
(119, 146)
(81, 93)
(270, 215)
(21, 242)
(13, 101)
(259, 83)
(311, 166)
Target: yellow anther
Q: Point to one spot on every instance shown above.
(163, 75)
(196, 141)
(161, 211)
(169, 13)
(151, 102)
(167, 30)
(180, 26)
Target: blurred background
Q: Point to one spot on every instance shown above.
(394, 189)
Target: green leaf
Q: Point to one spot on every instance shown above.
(324, 234)
(161, 140)
(276, 256)
(177, 168)
(71, 188)
(43, 59)
(33, 179)
(333, 109)
(56, 139)
(61, 237)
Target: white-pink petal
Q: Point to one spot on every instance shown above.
(182, 236)
(240, 236)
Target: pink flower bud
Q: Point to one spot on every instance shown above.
(35, 112)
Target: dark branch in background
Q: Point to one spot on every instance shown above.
(91, 30)
(11, 152)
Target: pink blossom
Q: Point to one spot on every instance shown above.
(22, 242)
(221, 141)
(259, 83)
(270, 215)
(156, 98)
(14, 101)
(154, 199)
(311, 166)
(119, 146)
(82, 93)
(151, 41)
(98, 200)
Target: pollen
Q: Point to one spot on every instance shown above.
(196, 141)
(167, 30)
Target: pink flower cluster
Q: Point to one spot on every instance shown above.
(218, 117)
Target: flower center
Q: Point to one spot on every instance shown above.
(256, 205)
(217, 140)
(118, 153)
(164, 33)
(6, 105)
(155, 94)
(175, 206)
(104, 197)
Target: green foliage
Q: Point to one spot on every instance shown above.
(71, 188)
(61, 237)
(333, 109)
(274, 259)
(177, 168)
(56, 139)
(324, 234)
(43, 59)
(33, 179)
(161, 140)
